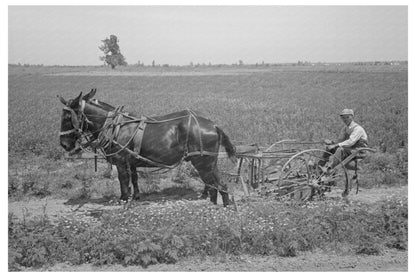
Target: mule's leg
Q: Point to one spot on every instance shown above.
(204, 194)
(134, 179)
(213, 195)
(207, 169)
(124, 179)
(222, 188)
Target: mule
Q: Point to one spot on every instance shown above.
(128, 141)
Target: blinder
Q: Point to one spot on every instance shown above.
(75, 121)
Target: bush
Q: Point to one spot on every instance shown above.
(164, 233)
(30, 184)
(382, 161)
(386, 168)
(395, 219)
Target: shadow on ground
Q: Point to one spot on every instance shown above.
(168, 194)
(172, 193)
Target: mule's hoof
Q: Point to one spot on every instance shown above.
(123, 202)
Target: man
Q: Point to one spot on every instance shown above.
(352, 136)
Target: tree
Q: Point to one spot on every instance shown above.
(113, 56)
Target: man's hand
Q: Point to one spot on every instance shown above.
(332, 146)
(328, 141)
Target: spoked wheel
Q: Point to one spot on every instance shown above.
(302, 177)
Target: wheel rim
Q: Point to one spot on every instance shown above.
(301, 177)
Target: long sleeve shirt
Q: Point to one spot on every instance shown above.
(351, 134)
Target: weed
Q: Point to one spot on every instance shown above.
(164, 233)
(41, 190)
(67, 185)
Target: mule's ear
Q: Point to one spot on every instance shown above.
(89, 95)
(62, 100)
(75, 102)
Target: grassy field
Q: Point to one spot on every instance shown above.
(251, 104)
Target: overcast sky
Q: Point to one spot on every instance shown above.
(70, 35)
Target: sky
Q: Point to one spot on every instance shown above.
(178, 35)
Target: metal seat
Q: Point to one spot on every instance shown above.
(357, 155)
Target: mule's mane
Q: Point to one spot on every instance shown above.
(100, 104)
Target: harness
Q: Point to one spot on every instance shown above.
(78, 124)
(109, 133)
(108, 137)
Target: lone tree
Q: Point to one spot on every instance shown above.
(111, 50)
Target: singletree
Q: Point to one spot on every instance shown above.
(112, 55)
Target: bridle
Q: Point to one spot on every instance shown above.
(78, 120)
(80, 124)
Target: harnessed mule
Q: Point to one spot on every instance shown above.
(130, 142)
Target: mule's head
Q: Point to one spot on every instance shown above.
(73, 122)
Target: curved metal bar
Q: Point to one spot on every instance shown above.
(281, 178)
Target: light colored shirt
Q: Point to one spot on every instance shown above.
(351, 134)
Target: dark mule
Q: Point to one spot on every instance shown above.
(130, 142)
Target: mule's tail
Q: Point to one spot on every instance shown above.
(229, 147)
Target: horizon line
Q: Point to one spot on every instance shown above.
(204, 64)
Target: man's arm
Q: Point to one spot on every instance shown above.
(341, 137)
(356, 134)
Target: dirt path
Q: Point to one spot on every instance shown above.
(56, 208)
(391, 260)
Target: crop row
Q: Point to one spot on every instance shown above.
(258, 107)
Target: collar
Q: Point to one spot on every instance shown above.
(352, 124)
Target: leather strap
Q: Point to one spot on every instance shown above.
(76, 124)
(139, 135)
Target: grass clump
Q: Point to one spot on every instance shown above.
(167, 232)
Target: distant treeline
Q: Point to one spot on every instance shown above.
(240, 63)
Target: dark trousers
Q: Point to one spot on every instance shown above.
(339, 154)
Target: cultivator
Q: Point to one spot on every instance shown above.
(287, 170)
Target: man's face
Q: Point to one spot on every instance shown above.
(346, 119)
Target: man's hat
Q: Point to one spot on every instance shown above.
(347, 112)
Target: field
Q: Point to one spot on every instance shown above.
(251, 104)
